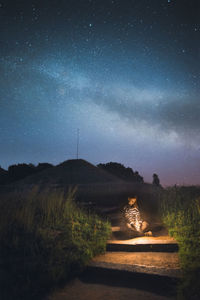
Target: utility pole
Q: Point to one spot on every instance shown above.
(77, 146)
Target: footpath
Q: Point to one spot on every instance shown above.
(143, 268)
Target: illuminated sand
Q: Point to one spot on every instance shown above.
(159, 263)
(159, 259)
(145, 240)
(127, 275)
(135, 272)
(78, 290)
(149, 255)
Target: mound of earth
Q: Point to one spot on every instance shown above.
(3, 176)
(94, 185)
(72, 172)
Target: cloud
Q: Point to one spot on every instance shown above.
(170, 112)
(173, 114)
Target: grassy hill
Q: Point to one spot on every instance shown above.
(71, 172)
(3, 175)
(94, 184)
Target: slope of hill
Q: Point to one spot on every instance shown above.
(94, 185)
(2, 172)
(71, 172)
(3, 176)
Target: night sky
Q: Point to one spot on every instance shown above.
(126, 73)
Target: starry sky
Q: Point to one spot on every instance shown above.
(125, 72)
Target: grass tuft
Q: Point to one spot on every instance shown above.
(45, 239)
(181, 215)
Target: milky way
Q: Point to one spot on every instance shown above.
(126, 73)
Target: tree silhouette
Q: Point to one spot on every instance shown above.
(156, 180)
(3, 176)
(20, 171)
(121, 171)
(43, 166)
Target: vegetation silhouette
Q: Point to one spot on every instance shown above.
(121, 171)
(19, 171)
(180, 207)
(3, 176)
(96, 185)
(156, 180)
(45, 239)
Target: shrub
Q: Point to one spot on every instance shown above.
(44, 240)
(181, 214)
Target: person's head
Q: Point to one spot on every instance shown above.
(132, 201)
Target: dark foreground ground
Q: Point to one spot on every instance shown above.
(141, 268)
(122, 275)
(80, 290)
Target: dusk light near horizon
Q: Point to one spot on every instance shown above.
(126, 73)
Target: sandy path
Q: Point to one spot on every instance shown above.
(87, 290)
(77, 290)
(152, 259)
(165, 239)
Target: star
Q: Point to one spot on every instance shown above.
(100, 64)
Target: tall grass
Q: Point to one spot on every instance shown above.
(45, 239)
(181, 214)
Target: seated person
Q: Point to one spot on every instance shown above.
(133, 218)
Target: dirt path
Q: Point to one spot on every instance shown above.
(91, 288)
(151, 259)
(78, 290)
(165, 239)
(126, 275)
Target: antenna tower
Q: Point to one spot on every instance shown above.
(77, 146)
